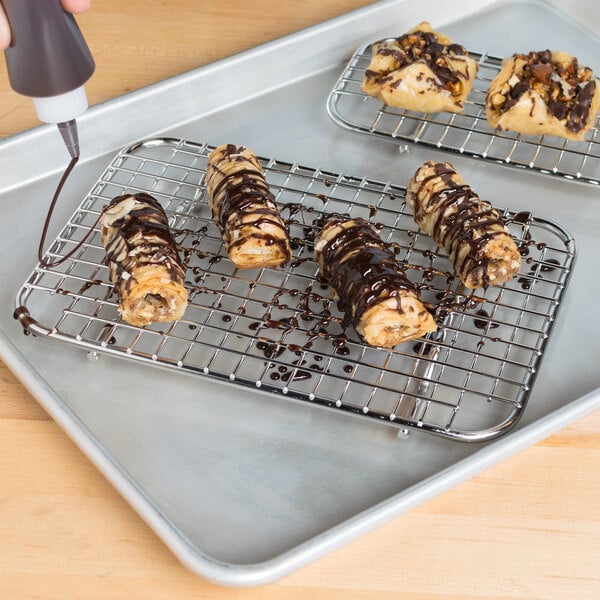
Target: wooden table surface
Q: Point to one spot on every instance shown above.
(526, 528)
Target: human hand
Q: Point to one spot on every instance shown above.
(72, 6)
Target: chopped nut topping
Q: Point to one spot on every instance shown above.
(561, 84)
(542, 72)
(424, 46)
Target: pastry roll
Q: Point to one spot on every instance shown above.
(245, 210)
(469, 229)
(421, 70)
(143, 262)
(379, 301)
(543, 93)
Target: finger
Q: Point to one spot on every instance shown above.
(76, 6)
(4, 30)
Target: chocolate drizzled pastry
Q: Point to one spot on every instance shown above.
(245, 210)
(379, 301)
(469, 229)
(544, 93)
(143, 262)
(421, 70)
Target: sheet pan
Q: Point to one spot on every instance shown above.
(242, 488)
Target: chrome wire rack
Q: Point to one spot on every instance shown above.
(466, 133)
(278, 330)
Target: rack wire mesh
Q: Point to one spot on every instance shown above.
(278, 330)
(467, 132)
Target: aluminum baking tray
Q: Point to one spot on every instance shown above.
(467, 132)
(278, 329)
(241, 485)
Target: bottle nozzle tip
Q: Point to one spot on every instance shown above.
(68, 131)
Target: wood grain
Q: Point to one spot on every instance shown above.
(527, 528)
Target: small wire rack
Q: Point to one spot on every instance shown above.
(278, 330)
(467, 132)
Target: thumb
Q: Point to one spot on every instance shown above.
(4, 30)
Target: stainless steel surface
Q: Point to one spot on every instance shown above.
(467, 132)
(242, 486)
(279, 330)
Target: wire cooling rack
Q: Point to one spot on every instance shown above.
(279, 330)
(468, 132)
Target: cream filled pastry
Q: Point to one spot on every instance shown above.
(143, 262)
(543, 93)
(245, 210)
(379, 301)
(422, 70)
(469, 229)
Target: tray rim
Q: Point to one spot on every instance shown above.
(260, 573)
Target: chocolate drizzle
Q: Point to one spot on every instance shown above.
(136, 237)
(362, 269)
(424, 46)
(46, 262)
(240, 200)
(458, 220)
(580, 109)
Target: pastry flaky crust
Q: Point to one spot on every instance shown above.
(143, 262)
(421, 70)
(543, 93)
(379, 301)
(245, 210)
(469, 229)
